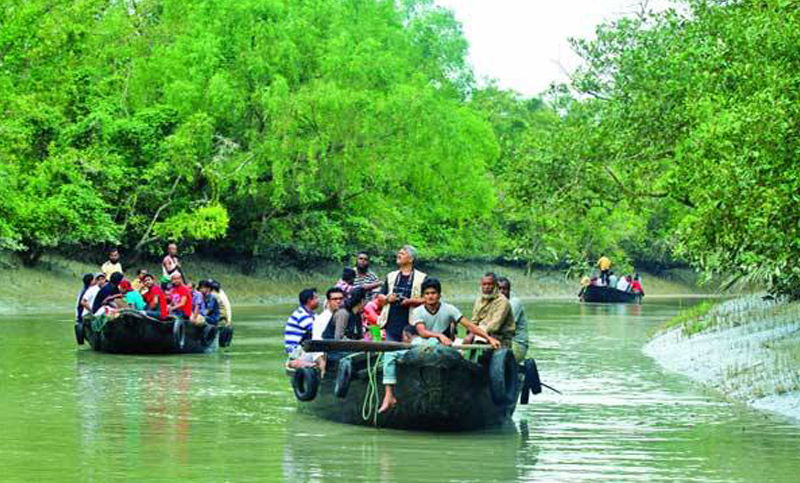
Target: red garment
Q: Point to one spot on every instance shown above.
(372, 313)
(184, 292)
(636, 287)
(155, 292)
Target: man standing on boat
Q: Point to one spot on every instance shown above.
(492, 312)
(171, 264)
(401, 292)
(364, 276)
(604, 263)
(520, 344)
(112, 265)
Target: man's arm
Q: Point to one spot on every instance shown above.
(340, 319)
(428, 334)
(476, 329)
(414, 301)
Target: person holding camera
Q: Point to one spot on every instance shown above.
(401, 292)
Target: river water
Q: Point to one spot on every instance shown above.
(69, 414)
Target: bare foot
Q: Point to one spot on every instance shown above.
(388, 403)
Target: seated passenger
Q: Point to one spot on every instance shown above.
(88, 282)
(520, 343)
(133, 298)
(225, 308)
(300, 327)
(492, 312)
(198, 307)
(370, 317)
(87, 301)
(346, 322)
(334, 300)
(612, 279)
(347, 281)
(410, 336)
(623, 284)
(154, 298)
(138, 282)
(107, 295)
(180, 297)
(212, 312)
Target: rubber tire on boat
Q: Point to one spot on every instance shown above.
(209, 334)
(532, 380)
(343, 376)
(503, 372)
(79, 337)
(225, 336)
(179, 333)
(305, 384)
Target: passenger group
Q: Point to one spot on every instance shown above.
(108, 292)
(607, 278)
(405, 307)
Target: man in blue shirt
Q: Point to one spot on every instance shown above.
(299, 327)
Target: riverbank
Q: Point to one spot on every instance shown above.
(747, 348)
(53, 285)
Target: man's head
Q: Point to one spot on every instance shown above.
(335, 298)
(125, 286)
(204, 287)
(172, 249)
(431, 291)
(141, 273)
(149, 280)
(349, 275)
(409, 332)
(362, 261)
(489, 283)
(215, 285)
(176, 279)
(100, 279)
(88, 280)
(504, 286)
(116, 278)
(308, 299)
(406, 256)
(113, 255)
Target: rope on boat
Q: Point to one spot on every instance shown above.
(369, 410)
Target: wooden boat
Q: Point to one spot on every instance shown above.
(132, 332)
(437, 389)
(609, 295)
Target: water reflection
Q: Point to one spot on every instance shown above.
(317, 451)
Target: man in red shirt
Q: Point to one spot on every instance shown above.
(154, 298)
(181, 296)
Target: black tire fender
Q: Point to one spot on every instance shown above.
(343, 376)
(79, 336)
(209, 334)
(179, 333)
(503, 372)
(305, 384)
(532, 380)
(225, 336)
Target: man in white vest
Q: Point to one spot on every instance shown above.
(401, 292)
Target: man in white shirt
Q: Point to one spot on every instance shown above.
(335, 298)
(623, 284)
(91, 293)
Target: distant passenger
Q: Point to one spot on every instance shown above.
(132, 297)
(520, 344)
(107, 295)
(180, 297)
(365, 277)
(155, 298)
(212, 312)
(492, 312)
(87, 301)
(624, 284)
(88, 282)
(112, 265)
(347, 281)
(198, 306)
(171, 264)
(636, 286)
(612, 279)
(138, 282)
(604, 263)
(225, 307)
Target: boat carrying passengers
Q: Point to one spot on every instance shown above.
(411, 310)
(107, 292)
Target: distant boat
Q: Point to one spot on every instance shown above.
(437, 389)
(133, 332)
(609, 295)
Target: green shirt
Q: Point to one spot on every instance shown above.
(440, 321)
(135, 300)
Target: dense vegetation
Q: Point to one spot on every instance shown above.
(305, 129)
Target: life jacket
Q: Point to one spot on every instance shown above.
(416, 291)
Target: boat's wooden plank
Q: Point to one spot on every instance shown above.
(369, 346)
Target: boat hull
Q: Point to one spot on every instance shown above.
(135, 333)
(437, 390)
(609, 295)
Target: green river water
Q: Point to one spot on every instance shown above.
(70, 414)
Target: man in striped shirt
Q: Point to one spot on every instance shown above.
(365, 277)
(300, 325)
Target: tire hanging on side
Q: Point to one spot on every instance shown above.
(305, 384)
(503, 377)
(79, 335)
(343, 376)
